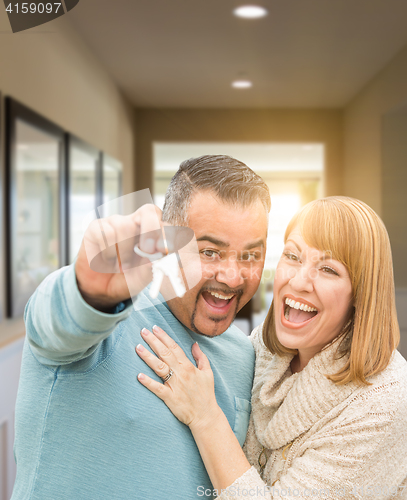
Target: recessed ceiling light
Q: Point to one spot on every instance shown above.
(250, 11)
(242, 84)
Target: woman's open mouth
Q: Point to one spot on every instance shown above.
(218, 303)
(296, 314)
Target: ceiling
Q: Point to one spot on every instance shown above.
(185, 53)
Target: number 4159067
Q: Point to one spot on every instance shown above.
(32, 8)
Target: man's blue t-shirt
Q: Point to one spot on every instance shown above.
(86, 429)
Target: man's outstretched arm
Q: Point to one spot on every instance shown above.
(61, 327)
(77, 307)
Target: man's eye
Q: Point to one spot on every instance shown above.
(211, 254)
(250, 257)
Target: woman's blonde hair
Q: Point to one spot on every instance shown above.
(352, 233)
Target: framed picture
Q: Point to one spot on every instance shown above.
(2, 280)
(35, 195)
(84, 189)
(111, 187)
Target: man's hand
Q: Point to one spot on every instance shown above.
(107, 269)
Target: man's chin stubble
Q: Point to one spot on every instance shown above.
(214, 320)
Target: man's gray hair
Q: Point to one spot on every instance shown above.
(231, 180)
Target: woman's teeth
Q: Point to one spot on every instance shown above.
(219, 296)
(298, 305)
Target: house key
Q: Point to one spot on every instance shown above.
(163, 266)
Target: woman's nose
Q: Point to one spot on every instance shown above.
(302, 280)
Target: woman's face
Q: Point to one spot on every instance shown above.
(312, 297)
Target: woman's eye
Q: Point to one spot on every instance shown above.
(329, 270)
(291, 256)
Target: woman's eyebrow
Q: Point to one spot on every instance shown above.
(292, 241)
(325, 256)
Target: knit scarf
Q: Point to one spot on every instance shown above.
(287, 405)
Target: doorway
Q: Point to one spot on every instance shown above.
(294, 173)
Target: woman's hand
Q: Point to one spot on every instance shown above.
(189, 392)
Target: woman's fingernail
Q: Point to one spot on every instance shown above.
(144, 331)
(140, 348)
(140, 376)
(155, 328)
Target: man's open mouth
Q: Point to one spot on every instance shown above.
(298, 312)
(218, 300)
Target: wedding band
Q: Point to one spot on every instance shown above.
(168, 376)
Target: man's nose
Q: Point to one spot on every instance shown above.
(230, 273)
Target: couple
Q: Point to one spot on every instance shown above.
(329, 394)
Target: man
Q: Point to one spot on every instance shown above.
(85, 427)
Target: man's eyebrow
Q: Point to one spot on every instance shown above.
(255, 244)
(223, 244)
(213, 240)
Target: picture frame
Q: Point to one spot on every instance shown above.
(84, 190)
(35, 201)
(111, 187)
(2, 271)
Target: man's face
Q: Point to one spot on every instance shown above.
(232, 246)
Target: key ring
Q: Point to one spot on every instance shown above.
(150, 256)
(163, 266)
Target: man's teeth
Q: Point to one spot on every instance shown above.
(298, 305)
(219, 296)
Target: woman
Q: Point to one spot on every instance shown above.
(329, 400)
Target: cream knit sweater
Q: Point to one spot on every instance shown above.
(322, 440)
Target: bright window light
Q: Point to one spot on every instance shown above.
(242, 84)
(250, 11)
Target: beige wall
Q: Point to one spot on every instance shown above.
(56, 74)
(366, 176)
(363, 131)
(394, 188)
(322, 126)
(375, 163)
